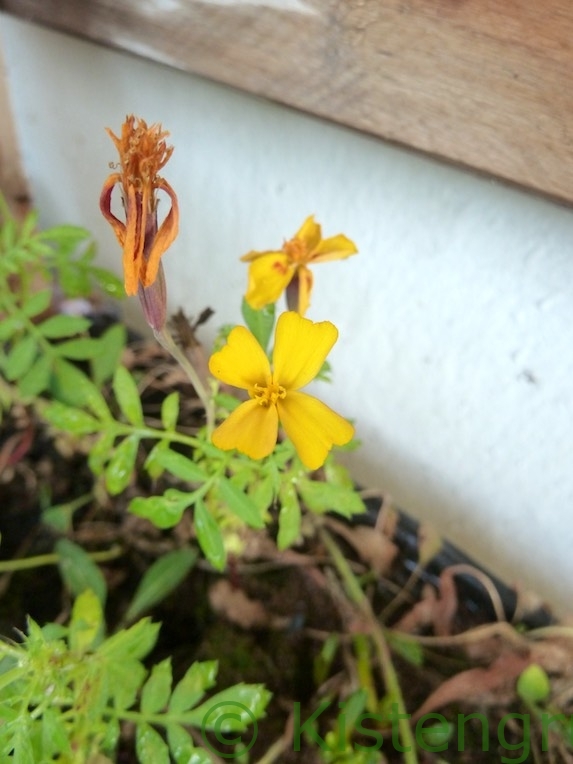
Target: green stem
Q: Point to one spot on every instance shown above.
(10, 566)
(362, 603)
(164, 338)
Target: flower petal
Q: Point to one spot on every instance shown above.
(335, 248)
(252, 255)
(163, 239)
(305, 280)
(313, 427)
(301, 347)
(251, 428)
(309, 232)
(241, 362)
(268, 277)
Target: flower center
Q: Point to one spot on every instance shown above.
(267, 395)
(296, 250)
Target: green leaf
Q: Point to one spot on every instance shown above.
(406, 647)
(180, 466)
(157, 690)
(59, 326)
(262, 493)
(324, 497)
(533, 685)
(198, 678)
(136, 642)
(109, 282)
(240, 504)
(128, 676)
(163, 511)
(37, 303)
(87, 622)
(127, 396)
(101, 451)
(70, 419)
(209, 536)
(170, 411)
(20, 358)
(112, 343)
(9, 326)
(151, 465)
(82, 349)
(55, 740)
(37, 378)
(289, 516)
(79, 571)
(260, 322)
(231, 710)
(121, 465)
(182, 748)
(150, 746)
(70, 385)
(165, 575)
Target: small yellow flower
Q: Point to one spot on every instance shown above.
(270, 273)
(301, 347)
(142, 153)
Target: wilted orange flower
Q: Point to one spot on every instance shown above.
(301, 347)
(272, 272)
(142, 154)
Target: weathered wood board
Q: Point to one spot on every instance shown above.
(483, 83)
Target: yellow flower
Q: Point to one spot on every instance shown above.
(142, 153)
(301, 347)
(272, 272)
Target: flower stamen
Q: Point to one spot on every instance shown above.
(267, 395)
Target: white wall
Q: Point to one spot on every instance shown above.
(456, 319)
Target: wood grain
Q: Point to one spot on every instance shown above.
(483, 83)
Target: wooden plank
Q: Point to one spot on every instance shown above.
(482, 83)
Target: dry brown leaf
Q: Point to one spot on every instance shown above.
(477, 684)
(234, 605)
(435, 610)
(373, 547)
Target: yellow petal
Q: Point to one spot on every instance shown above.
(250, 256)
(251, 428)
(305, 280)
(335, 248)
(269, 276)
(301, 347)
(313, 427)
(241, 362)
(309, 232)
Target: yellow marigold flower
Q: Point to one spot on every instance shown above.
(270, 273)
(142, 153)
(301, 347)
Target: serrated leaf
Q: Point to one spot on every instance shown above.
(128, 676)
(239, 503)
(86, 625)
(79, 571)
(322, 497)
(170, 411)
(198, 678)
(150, 746)
(37, 303)
(127, 396)
(71, 386)
(157, 689)
(37, 378)
(135, 642)
(289, 516)
(60, 326)
(112, 343)
(70, 419)
(209, 536)
(20, 358)
(181, 746)
(231, 710)
(259, 322)
(159, 580)
(163, 511)
(81, 349)
(121, 465)
(180, 466)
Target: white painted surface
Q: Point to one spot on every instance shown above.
(456, 319)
